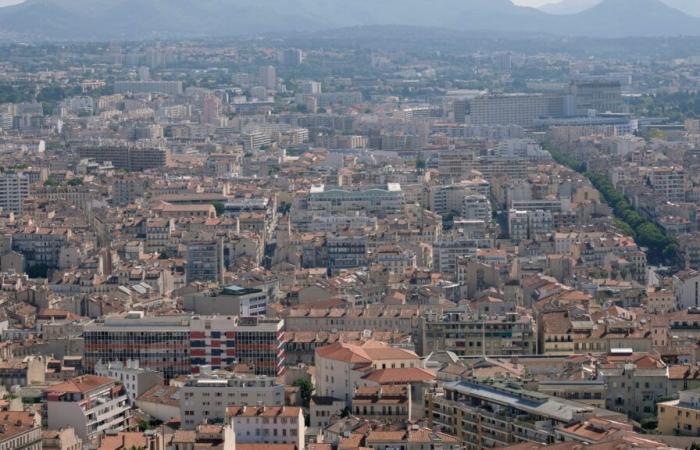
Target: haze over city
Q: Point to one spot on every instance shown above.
(349, 224)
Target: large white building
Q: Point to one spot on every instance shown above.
(206, 396)
(135, 379)
(686, 286)
(377, 201)
(14, 189)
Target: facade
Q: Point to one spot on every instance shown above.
(466, 335)
(339, 367)
(206, 396)
(136, 380)
(205, 261)
(158, 343)
(90, 404)
(669, 183)
(14, 189)
(594, 95)
(179, 345)
(515, 109)
(267, 425)
(686, 287)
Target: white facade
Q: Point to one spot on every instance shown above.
(205, 397)
(267, 425)
(135, 379)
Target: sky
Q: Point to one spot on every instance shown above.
(519, 2)
(533, 2)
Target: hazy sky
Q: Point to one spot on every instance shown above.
(534, 2)
(519, 2)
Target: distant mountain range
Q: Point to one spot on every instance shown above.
(139, 19)
(690, 7)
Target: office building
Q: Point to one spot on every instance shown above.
(14, 189)
(179, 345)
(90, 404)
(158, 343)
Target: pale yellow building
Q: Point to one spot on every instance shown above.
(682, 416)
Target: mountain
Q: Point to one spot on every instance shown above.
(138, 19)
(621, 18)
(568, 6)
(690, 7)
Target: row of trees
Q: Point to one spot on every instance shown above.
(662, 249)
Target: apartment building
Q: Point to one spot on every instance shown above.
(493, 414)
(267, 425)
(205, 396)
(339, 367)
(41, 246)
(686, 287)
(669, 183)
(135, 379)
(680, 416)
(467, 334)
(148, 87)
(14, 189)
(205, 260)
(20, 430)
(90, 404)
(133, 159)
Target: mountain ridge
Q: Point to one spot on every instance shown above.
(138, 19)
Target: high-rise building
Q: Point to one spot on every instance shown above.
(292, 57)
(597, 96)
(268, 77)
(205, 260)
(14, 189)
(517, 109)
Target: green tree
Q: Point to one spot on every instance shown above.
(220, 208)
(306, 390)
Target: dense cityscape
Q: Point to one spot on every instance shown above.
(385, 238)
